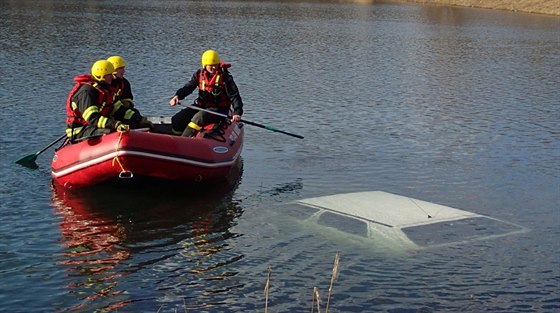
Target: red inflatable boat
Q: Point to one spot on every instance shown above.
(136, 154)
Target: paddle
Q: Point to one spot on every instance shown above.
(29, 160)
(246, 122)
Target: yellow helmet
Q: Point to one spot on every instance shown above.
(101, 68)
(210, 57)
(117, 61)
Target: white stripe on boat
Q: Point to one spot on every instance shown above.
(154, 156)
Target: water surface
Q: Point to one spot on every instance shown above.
(455, 106)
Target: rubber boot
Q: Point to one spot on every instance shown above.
(189, 132)
(144, 122)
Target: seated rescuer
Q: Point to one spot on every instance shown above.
(216, 92)
(89, 104)
(122, 97)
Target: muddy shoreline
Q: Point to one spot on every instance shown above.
(549, 7)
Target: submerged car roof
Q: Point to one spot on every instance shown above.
(399, 220)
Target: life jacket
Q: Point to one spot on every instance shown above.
(212, 90)
(73, 114)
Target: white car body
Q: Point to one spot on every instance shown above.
(398, 221)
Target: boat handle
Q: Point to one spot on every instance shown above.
(126, 174)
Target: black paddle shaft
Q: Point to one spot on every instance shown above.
(247, 122)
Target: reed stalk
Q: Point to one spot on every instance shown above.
(266, 289)
(318, 298)
(313, 301)
(333, 278)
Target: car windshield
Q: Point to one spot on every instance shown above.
(479, 227)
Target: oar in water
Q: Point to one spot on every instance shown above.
(29, 160)
(246, 122)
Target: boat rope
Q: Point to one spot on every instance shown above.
(124, 173)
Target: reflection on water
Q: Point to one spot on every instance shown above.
(94, 244)
(114, 237)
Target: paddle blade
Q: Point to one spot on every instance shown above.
(28, 161)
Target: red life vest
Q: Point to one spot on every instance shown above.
(73, 115)
(212, 90)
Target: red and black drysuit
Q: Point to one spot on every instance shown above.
(216, 92)
(88, 109)
(122, 89)
(123, 103)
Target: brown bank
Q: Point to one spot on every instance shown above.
(550, 7)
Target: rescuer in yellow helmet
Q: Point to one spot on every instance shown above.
(89, 104)
(216, 92)
(122, 96)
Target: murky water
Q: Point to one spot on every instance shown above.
(455, 106)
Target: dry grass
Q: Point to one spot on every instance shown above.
(550, 7)
(267, 289)
(316, 298)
